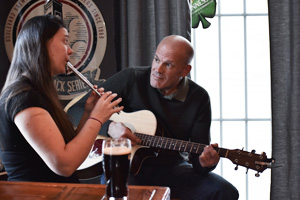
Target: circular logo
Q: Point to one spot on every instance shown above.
(87, 37)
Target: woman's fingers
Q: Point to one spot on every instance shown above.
(109, 96)
(100, 90)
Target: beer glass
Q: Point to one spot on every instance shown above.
(116, 164)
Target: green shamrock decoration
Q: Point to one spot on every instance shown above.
(202, 9)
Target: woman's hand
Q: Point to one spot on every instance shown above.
(105, 106)
(92, 100)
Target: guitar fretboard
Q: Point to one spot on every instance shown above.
(177, 145)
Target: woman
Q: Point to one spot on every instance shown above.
(37, 139)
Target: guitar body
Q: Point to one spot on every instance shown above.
(142, 121)
(141, 154)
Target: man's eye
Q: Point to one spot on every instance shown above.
(156, 59)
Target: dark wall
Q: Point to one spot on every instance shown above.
(108, 64)
(4, 61)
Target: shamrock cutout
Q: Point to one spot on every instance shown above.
(202, 9)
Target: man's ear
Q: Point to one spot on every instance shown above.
(186, 70)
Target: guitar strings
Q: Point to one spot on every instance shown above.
(169, 143)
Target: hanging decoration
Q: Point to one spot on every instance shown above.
(202, 9)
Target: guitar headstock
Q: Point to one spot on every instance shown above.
(250, 160)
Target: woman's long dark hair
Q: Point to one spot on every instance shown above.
(31, 62)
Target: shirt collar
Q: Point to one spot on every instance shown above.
(181, 92)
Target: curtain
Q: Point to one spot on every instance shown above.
(140, 26)
(284, 22)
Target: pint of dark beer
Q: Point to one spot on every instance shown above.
(116, 163)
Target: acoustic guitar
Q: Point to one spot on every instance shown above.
(144, 125)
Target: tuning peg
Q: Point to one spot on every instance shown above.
(262, 155)
(236, 167)
(257, 174)
(253, 151)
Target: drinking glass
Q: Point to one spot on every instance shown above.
(116, 164)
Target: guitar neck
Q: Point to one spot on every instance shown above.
(176, 145)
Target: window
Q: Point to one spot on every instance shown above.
(232, 62)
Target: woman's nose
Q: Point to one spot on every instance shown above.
(70, 51)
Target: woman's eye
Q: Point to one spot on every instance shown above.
(66, 40)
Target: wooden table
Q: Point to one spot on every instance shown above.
(36, 190)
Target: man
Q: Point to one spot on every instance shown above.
(183, 111)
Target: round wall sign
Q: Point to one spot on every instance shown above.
(87, 32)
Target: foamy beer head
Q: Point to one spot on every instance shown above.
(117, 151)
(116, 146)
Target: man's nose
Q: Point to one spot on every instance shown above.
(159, 68)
